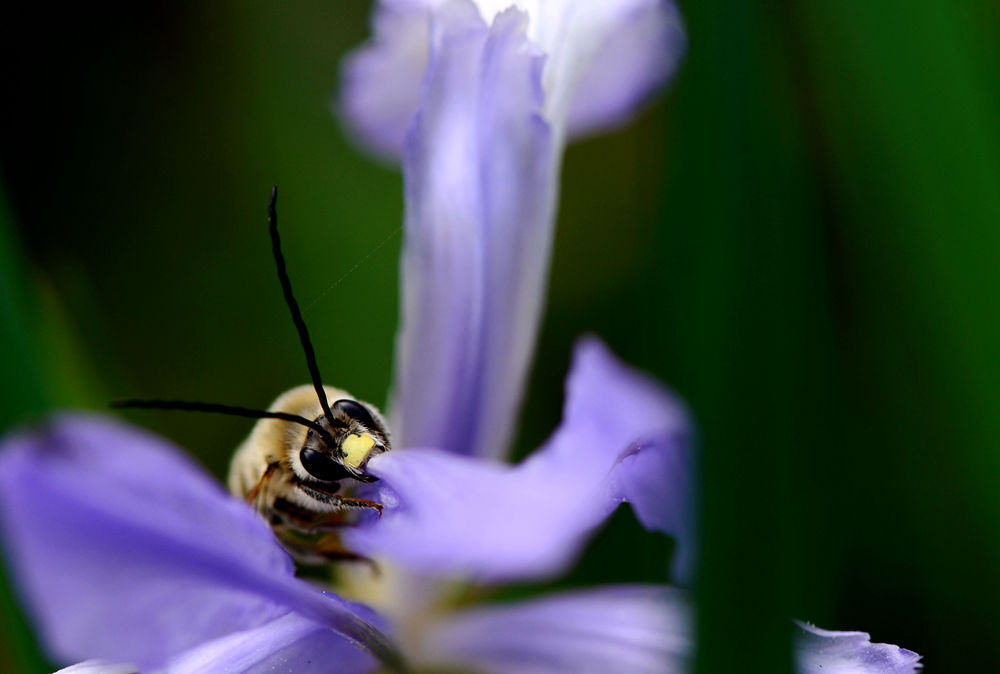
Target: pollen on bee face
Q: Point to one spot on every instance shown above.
(356, 449)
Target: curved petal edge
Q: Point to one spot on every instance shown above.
(637, 628)
(622, 438)
(124, 550)
(820, 651)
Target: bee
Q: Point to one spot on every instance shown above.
(305, 459)
(299, 477)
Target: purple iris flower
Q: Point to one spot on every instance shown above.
(126, 553)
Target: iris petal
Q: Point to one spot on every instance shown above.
(98, 667)
(127, 552)
(819, 650)
(603, 60)
(380, 83)
(634, 49)
(290, 644)
(485, 91)
(479, 207)
(609, 629)
(489, 521)
(638, 628)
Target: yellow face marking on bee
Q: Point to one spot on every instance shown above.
(356, 449)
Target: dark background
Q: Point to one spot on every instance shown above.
(800, 237)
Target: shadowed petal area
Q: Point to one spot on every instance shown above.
(480, 191)
(125, 551)
(611, 629)
(463, 516)
(821, 651)
(288, 644)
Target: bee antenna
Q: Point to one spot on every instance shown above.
(216, 408)
(293, 306)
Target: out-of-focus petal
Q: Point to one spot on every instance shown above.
(821, 651)
(480, 186)
(290, 643)
(625, 628)
(603, 59)
(380, 82)
(125, 551)
(287, 644)
(464, 516)
(637, 51)
(610, 629)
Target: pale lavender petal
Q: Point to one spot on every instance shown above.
(821, 651)
(290, 643)
(480, 186)
(287, 644)
(603, 60)
(632, 629)
(610, 405)
(486, 92)
(634, 48)
(125, 551)
(453, 515)
(380, 82)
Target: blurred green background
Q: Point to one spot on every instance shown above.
(800, 237)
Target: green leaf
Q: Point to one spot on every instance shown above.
(22, 396)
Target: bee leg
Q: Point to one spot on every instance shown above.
(251, 496)
(326, 549)
(308, 521)
(333, 551)
(360, 504)
(331, 497)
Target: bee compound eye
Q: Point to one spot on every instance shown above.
(355, 410)
(322, 466)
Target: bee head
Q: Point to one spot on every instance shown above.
(353, 435)
(341, 440)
